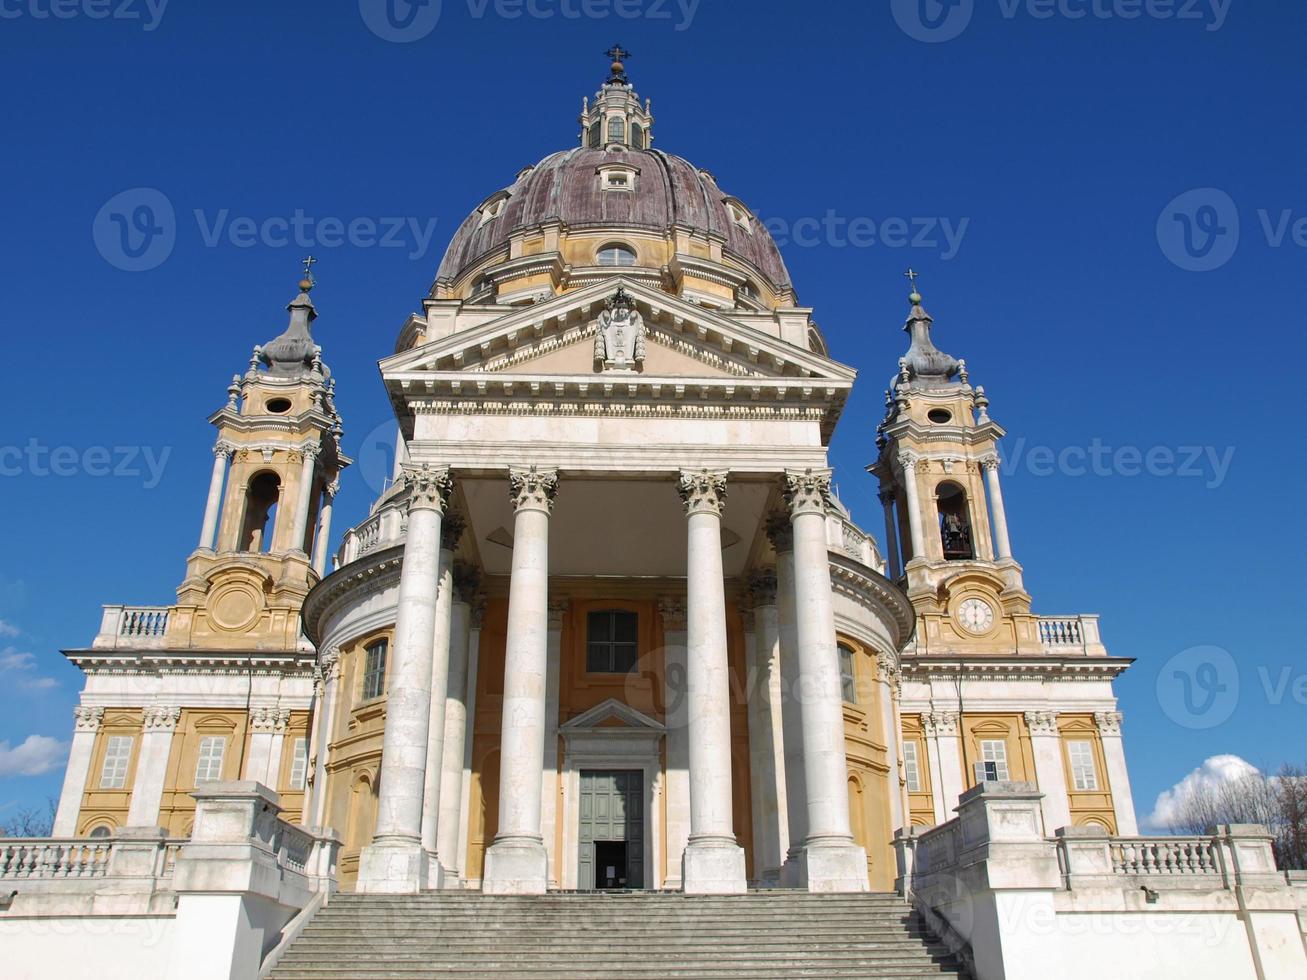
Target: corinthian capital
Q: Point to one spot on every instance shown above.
(762, 588)
(939, 723)
(429, 487)
(269, 720)
(989, 462)
(451, 531)
(223, 450)
(87, 718)
(1108, 722)
(908, 462)
(532, 488)
(1042, 722)
(160, 718)
(781, 533)
(703, 491)
(807, 491)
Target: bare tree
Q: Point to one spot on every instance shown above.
(1277, 802)
(31, 821)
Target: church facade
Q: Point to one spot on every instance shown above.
(608, 627)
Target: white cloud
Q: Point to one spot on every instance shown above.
(8, 629)
(36, 754)
(1215, 771)
(17, 666)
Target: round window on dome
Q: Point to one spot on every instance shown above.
(616, 255)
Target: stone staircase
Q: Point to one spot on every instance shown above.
(634, 936)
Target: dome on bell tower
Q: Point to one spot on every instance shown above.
(614, 204)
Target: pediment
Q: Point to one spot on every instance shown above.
(556, 337)
(612, 716)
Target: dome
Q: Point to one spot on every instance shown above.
(569, 187)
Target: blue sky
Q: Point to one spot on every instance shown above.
(1138, 340)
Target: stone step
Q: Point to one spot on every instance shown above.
(762, 971)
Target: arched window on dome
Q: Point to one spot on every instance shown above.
(637, 136)
(616, 130)
(614, 254)
(592, 136)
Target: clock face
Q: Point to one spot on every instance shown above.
(976, 615)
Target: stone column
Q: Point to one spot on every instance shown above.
(475, 612)
(395, 861)
(160, 723)
(1046, 746)
(209, 530)
(328, 677)
(781, 533)
(676, 717)
(268, 725)
(887, 676)
(1001, 540)
(549, 760)
(451, 531)
(86, 723)
(941, 729)
(766, 741)
(322, 541)
(456, 718)
(713, 861)
(832, 860)
(908, 463)
(516, 863)
(892, 557)
(1118, 777)
(300, 529)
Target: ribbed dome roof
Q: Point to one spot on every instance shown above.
(565, 187)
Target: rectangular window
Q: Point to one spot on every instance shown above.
(374, 670)
(993, 764)
(117, 754)
(1083, 774)
(208, 769)
(611, 642)
(911, 767)
(848, 686)
(299, 763)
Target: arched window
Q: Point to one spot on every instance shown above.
(102, 831)
(616, 130)
(637, 136)
(612, 641)
(592, 136)
(260, 512)
(374, 669)
(614, 254)
(954, 522)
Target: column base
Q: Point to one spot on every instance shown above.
(827, 866)
(713, 867)
(396, 867)
(516, 866)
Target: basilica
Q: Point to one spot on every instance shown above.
(608, 628)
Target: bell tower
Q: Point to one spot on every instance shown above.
(267, 522)
(945, 524)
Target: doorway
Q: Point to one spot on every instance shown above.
(611, 831)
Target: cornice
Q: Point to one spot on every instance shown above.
(942, 667)
(159, 662)
(875, 592)
(371, 572)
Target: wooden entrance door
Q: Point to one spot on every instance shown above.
(612, 810)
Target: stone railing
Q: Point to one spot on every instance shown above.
(137, 627)
(844, 536)
(1008, 900)
(1071, 635)
(54, 859)
(384, 529)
